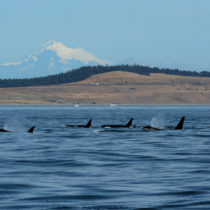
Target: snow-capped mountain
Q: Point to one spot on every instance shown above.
(52, 58)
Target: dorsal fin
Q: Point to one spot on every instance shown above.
(31, 130)
(180, 124)
(89, 124)
(129, 123)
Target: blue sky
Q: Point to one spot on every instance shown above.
(164, 33)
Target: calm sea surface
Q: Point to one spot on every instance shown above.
(96, 168)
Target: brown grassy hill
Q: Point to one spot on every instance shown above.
(116, 87)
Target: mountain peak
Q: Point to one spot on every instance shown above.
(52, 58)
(66, 53)
(49, 43)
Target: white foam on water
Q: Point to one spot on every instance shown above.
(14, 125)
(158, 121)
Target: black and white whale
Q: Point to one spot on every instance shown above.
(128, 125)
(88, 125)
(31, 130)
(178, 127)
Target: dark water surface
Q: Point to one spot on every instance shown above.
(80, 168)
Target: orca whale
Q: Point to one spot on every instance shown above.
(88, 125)
(178, 127)
(128, 125)
(31, 130)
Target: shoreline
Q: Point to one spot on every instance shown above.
(104, 105)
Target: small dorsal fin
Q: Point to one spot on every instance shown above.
(31, 130)
(180, 124)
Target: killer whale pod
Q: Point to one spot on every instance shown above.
(179, 126)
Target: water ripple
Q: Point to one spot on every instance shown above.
(58, 168)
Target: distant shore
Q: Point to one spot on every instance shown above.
(120, 88)
(82, 105)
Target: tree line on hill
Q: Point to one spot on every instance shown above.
(87, 71)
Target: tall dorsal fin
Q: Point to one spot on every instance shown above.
(89, 124)
(129, 123)
(31, 130)
(180, 124)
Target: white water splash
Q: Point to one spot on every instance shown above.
(158, 121)
(14, 125)
(96, 131)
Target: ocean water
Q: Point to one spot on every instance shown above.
(96, 168)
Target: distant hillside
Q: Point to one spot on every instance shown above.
(85, 72)
(115, 87)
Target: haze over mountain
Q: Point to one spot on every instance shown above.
(52, 58)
